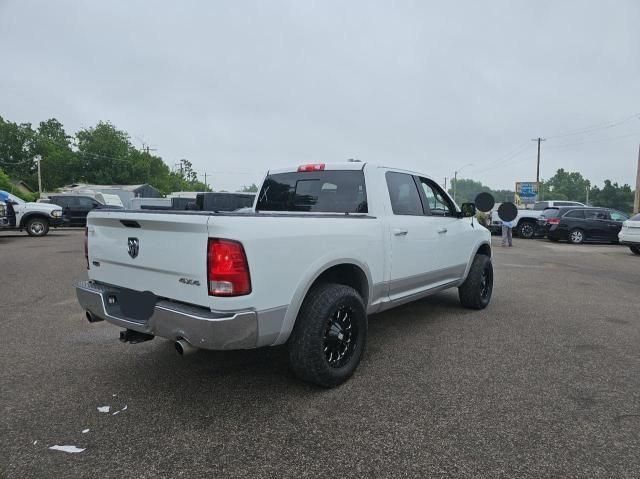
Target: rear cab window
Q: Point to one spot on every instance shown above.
(541, 205)
(328, 191)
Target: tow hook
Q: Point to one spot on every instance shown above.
(134, 337)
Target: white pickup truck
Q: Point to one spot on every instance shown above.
(35, 218)
(325, 246)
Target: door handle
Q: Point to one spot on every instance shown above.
(400, 232)
(442, 230)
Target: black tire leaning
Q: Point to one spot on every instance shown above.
(37, 226)
(526, 230)
(573, 239)
(307, 341)
(635, 249)
(472, 293)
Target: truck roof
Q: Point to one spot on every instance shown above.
(345, 166)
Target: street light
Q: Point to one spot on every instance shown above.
(455, 179)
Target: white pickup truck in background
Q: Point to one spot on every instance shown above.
(325, 246)
(526, 221)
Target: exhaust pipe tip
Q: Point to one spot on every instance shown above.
(184, 348)
(92, 318)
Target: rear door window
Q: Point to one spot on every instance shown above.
(596, 215)
(314, 191)
(404, 195)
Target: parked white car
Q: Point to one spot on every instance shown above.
(325, 246)
(630, 234)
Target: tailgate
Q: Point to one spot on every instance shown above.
(162, 253)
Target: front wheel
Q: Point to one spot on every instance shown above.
(526, 230)
(329, 336)
(475, 292)
(37, 227)
(635, 249)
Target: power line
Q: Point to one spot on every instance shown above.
(597, 127)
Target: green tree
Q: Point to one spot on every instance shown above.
(613, 196)
(16, 150)
(60, 164)
(565, 185)
(250, 189)
(467, 190)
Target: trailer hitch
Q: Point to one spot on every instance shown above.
(134, 337)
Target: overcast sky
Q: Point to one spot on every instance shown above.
(238, 87)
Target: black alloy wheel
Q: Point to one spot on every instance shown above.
(340, 337)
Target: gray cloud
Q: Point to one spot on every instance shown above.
(238, 87)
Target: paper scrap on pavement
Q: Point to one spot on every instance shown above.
(104, 408)
(84, 431)
(124, 408)
(117, 412)
(35, 442)
(72, 449)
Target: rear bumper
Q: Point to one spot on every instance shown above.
(201, 327)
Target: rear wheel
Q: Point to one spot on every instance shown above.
(37, 227)
(526, 230)
(576, 236)
(329, 336)
(635, 249)
(475, 292)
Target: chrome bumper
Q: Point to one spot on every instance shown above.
(201, 327)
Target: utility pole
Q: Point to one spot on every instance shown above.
(455, 184)
(587, 202)
(538, 168)
(205, 181)
(38, 160)
(636, 204)
(445, 183)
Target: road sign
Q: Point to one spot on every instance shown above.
(526, 192)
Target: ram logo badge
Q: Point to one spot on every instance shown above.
(134, 247)
(189, 282)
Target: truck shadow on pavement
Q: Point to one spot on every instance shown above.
(159, 370)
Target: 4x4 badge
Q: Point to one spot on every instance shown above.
(134, 247)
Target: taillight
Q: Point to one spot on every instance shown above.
(86, 245)
(227, 268)
(311, 167)
(553, 221)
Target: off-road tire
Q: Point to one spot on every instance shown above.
(635, 249)
(37, 226)
(473, 293)
(307, 344)
(576, 236)
(526, 230)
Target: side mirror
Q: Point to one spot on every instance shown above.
(467, 210)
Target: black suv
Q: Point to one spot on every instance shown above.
(578, 225)
(75, 208)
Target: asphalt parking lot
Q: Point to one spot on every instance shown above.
(545, 382)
